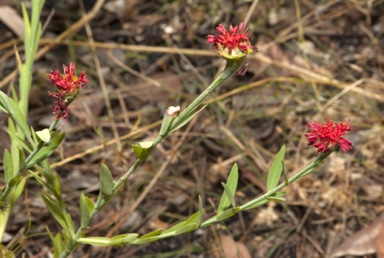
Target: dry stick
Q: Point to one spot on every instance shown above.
(103, 85)
(259, 57)
(70, 31)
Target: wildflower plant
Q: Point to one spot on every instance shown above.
(30, 151)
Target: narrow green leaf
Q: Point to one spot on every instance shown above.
(284, 172)
(227, 214)
(174, 228)
(46, 151)
(232, 186)
(274, 173)
(186, 228)
(20, 141)
(176, 125)
(54, 209)
(229, 194)
(84, 211)
(58, 244)
(8, 166)
(21, 159)
(14, 181)
(40, 180)
(19, 119)
(98, 241)
(166, 123)
(147, 240)
(106, 181)
(71, 225)
(125, 239)
(279, 199)
(5, 105)
(152, 234)
(57, 185)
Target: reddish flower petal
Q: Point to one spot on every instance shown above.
(233, 44)
(67, 85)
(325, 137)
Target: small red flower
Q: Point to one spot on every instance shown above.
(233, 44)
(67, 85)
(325, 137)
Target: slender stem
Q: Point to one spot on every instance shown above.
(305, 171)
(230, 68)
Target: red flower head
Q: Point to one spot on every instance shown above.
(233, 44)
(325, 137)
(68, 85)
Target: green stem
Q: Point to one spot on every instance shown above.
(230, 68)
(305, 171)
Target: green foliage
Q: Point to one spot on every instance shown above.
(183, 119)
(106, 241)
(8, 166)
(142, 149)
(45, 151)
(276, 169)
(54, 209)
(106, 181)
(86, 206)
(230, 187)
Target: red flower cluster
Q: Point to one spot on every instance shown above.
(325, 137)
(233, 44)
(68, 85)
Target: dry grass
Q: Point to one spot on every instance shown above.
(314, 59)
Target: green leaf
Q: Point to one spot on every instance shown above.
(231, 188)
(5, 105)
(40, 180)
(178, 124)
(98, 241)
(125, 239)
(46, 151)
(284, 172)
(152, 234)
(8, 166)
(54, 209)
(57, 185)
(14, 181)
(166, 123)
(142, 149)
(21, 159)
(174, 228)
(44, 135)
(58, 244)
(227, 214)
(20, 141)
(147, 240)
(86, 206)
(71, 225)
(106, 181)
(274, 173)
(186, 228)
(19, 119)
(229, 194)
